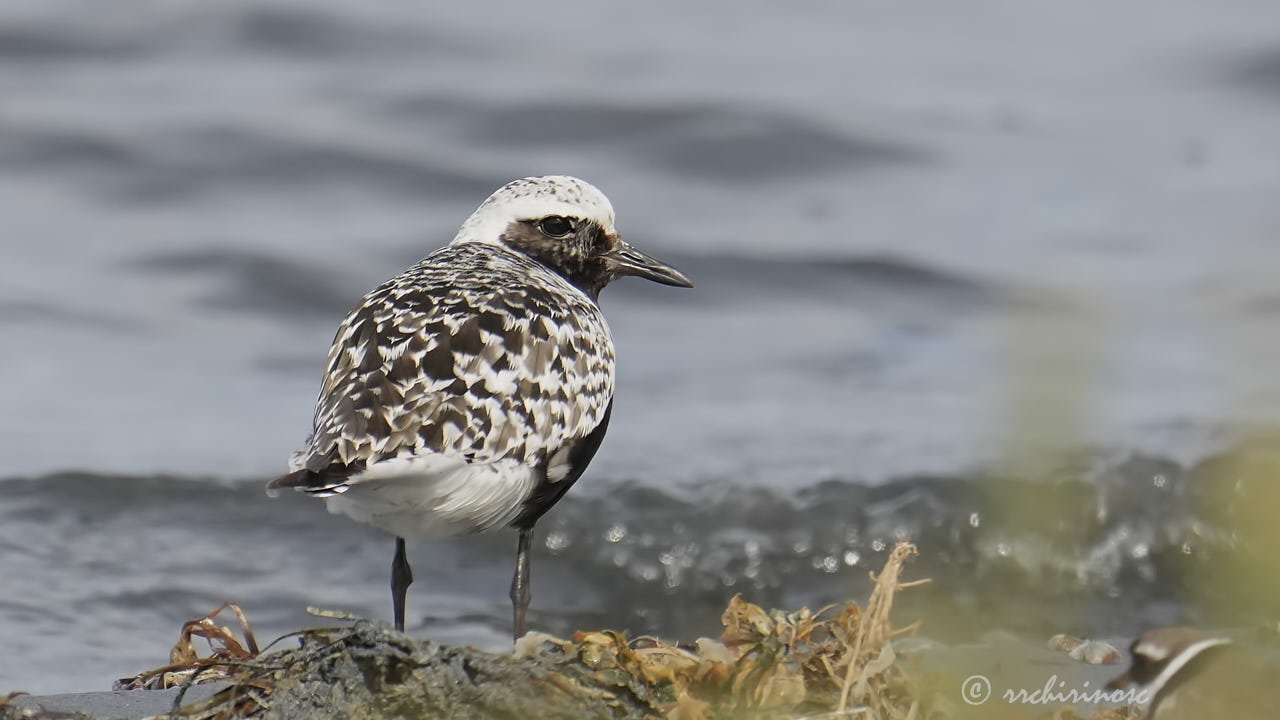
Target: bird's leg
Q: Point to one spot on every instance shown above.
(520, 592)
(401, 579)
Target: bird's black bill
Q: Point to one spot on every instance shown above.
(629, 261)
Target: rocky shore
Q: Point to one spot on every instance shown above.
(847, 661)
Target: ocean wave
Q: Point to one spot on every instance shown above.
(1100, 543)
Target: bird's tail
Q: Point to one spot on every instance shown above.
(310, 482)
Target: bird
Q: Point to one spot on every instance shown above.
(470, 392)
(1190, 675)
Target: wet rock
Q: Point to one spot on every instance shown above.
(371, 671)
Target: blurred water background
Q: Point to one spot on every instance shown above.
(998, 276)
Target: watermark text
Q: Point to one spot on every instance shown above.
(976, 690)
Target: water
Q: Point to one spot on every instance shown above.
(928, 241)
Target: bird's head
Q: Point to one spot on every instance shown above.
(567, 225)
(1159, 654)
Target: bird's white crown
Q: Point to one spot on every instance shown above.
(532, 198)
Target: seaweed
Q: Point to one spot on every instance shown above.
(837, 662)
(764, 664)
(186, 666)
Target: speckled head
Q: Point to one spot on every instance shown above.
(568, 225)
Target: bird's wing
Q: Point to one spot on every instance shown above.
(437, 362)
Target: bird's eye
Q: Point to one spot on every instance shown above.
(555, 226)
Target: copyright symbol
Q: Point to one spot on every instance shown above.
(975, 689)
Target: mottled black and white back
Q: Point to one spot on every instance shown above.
(471, 391)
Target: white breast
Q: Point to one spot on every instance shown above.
(431, 496)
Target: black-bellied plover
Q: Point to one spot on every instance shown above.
(470, 391)
(1180, 673)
